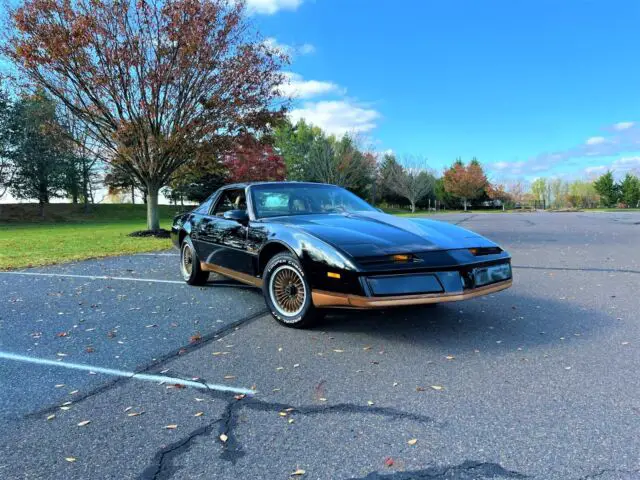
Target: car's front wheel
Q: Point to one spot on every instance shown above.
(190, 264)
(287, 292)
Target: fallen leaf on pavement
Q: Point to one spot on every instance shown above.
(240, 396)
(299, 472)
(223, 437)
(413, 441)
(51, 417)
(369, 402)
(134, 414)
(84, 422)
(70, 459)
(388, 462)
(449, 357)
(173, 426)
(229, 377)
(337, 350)
(437, 387)
(419, 389)
(195, 338)
(199, 414)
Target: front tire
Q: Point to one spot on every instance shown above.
(190, 264)
(287, 292)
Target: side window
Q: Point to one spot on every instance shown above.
(205, 207)
(230, 200)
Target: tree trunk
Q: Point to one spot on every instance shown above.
(85, 186)
(41, 208)
(465, 204)
(153, 216)
(133, 195)
(413, 207)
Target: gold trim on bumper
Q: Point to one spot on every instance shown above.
(239, 276)
(322, 298)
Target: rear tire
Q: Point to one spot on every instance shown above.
(287, 292)
(190, 268)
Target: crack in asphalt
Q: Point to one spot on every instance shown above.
(464, 219)
(162, 467)
(604, 471)
(577, 269)
(467, 470)
(206, 339)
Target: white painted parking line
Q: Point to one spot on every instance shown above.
(123, 373)
(93, 277)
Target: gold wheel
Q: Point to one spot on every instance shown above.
(287, 291)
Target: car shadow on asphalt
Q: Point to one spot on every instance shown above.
(495, 323)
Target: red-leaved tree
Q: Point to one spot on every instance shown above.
(466, 182)
(158, 83)
(252, 161)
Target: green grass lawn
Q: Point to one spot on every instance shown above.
(68, 234)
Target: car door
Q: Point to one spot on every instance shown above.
(223, 242)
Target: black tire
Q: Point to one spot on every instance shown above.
(287, 292)
(190, 264)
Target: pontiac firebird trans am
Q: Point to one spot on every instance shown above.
(312, 246)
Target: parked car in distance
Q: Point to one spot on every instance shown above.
(312, 247)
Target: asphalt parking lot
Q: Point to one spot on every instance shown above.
(540, 381)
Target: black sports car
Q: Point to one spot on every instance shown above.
(312, 246)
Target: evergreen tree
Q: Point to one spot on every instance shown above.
(39, 150)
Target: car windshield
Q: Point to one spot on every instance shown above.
(275, 200)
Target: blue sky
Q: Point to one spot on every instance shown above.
(545, 87)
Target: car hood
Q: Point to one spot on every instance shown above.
(366, 234)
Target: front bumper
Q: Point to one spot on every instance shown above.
(324, 299)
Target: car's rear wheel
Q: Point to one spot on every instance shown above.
(287, 292)
(190, 264)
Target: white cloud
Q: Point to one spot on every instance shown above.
(306, 49)
(290, 50)
(595, 140)
(337, 116)
(296, 87)
(626, 164)
(269, 7)
(623, 125)
(619, 167)
(623, 138)
(597, 169)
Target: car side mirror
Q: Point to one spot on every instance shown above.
(239, 216)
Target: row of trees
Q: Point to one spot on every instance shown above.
(42, 155)
(45, 154)
(604, 191)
